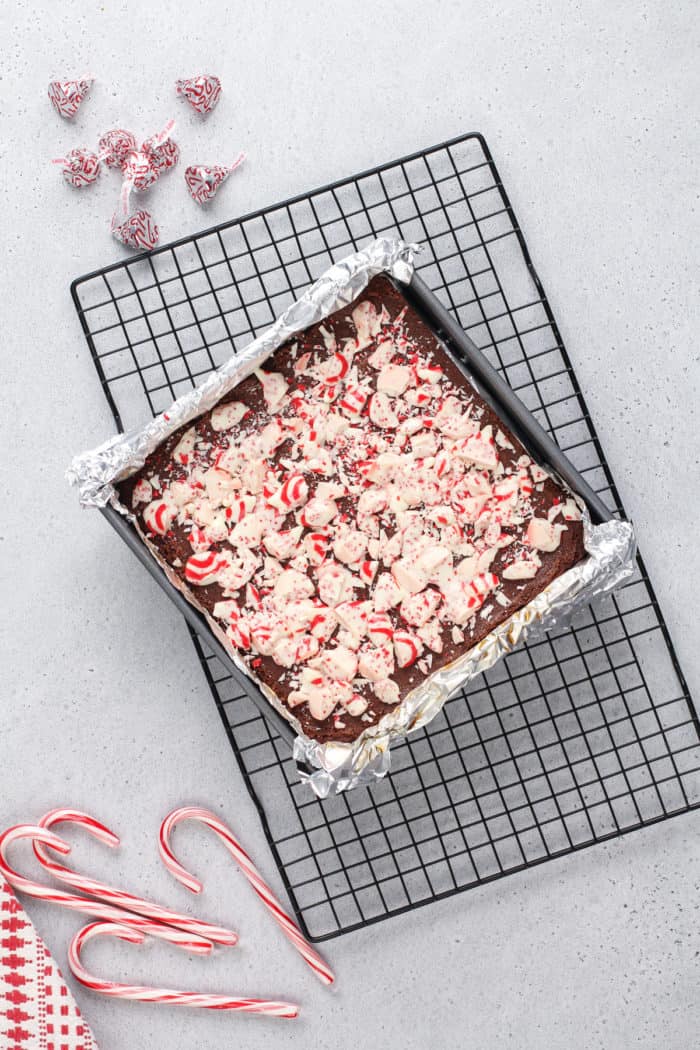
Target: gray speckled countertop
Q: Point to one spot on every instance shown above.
(590, 111)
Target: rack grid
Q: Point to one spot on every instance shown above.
(577, 738)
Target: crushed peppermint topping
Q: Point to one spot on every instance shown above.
(358, 526)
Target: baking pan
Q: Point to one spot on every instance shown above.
(474, 365)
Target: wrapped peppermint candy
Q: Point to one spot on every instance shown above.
(80, 167)
(115, 146)
(67, 95)
(139, 173)
(162, 152)
(202, 92)
(143, 167)
(162, 156)
(137, 230)
(203, 180)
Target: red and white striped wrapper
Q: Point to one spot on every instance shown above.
(137, 230)
(67, 96)
(204, 180)
(81, 167)
(202, 92)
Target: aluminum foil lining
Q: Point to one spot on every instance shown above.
(95, 472)
(334, 767)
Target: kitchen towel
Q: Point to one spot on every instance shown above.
(37, 1011)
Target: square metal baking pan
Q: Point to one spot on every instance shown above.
(491, 386)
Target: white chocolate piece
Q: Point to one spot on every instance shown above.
(367, 323)
(143, 492)
(523, 569)
(543, 535)
(291, 585)
(224, 417)
(349, 546)
(381, 412)
(419, 608)
(334, 584)
(318, 512)
(376, 663)
(387, 593)
(353, 616)
(274, 388)
(339, 663)
(185, 447)
(394, 379)
(387, 691)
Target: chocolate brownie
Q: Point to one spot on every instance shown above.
(353, 517)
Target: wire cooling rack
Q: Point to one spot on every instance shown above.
(581, 737)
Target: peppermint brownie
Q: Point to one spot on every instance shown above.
(354, 516)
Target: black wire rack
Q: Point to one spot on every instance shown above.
(575, 739)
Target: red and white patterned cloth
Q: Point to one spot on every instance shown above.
(37, 1011)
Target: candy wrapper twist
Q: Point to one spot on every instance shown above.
(204, 181)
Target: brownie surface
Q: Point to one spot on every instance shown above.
(350, 422)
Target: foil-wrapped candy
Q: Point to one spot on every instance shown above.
(141, 169)
(115, 146)
(202, 92)
(138, 172)
(136, 231)
(163, 153)
(204, 180)
(67, 96)
(81, 167)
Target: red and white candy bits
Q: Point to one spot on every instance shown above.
(202, 92)
(115, 146)
(203, 181)
(81, 167)
(67, 95)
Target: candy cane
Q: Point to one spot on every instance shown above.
(168, 996)
(287, 924)
(119, 898)
(189, 941)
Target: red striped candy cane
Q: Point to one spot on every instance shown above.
(168, 996)
(189, 941)
(287, 924)
(119, 898)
